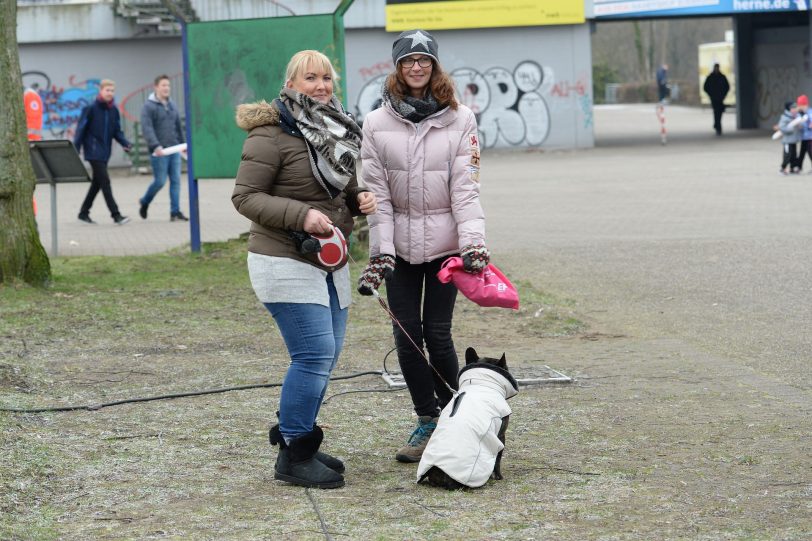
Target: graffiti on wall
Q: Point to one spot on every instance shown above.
(62, 105)
(509, 104)
(774, 86)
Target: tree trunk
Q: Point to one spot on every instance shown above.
(22, 256)
(638, 47)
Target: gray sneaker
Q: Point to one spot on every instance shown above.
(413, 450)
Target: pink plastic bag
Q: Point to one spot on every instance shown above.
(488, 288)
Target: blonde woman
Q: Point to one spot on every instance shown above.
(297, 180)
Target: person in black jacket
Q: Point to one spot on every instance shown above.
(98, 125)
(717, 87)
(663, 90)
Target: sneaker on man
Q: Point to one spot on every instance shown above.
(85, 218)
(143, 211)
(783, 172)
(178, 216)
(121, 220)
(413, 450)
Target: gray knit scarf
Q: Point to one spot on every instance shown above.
(412, 109)
(332, 136)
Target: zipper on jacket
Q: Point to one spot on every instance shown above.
(106, 126)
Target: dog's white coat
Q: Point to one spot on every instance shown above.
(465, 446)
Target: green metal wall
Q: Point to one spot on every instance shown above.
(234, 62)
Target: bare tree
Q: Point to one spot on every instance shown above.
(634, 49)
(22, 256)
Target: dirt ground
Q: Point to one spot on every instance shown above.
(689, 417)
(645, 445)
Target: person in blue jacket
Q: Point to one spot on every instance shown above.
(98, 125)
(806, 131)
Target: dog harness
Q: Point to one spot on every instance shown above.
(465, 443)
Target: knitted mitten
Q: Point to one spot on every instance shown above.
(379, 267)
(475, 257)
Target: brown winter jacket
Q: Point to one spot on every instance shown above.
(275, 186)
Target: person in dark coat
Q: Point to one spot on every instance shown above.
(98, 125)
(663, 91)
(717, 87)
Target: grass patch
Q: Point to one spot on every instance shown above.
(110, 328)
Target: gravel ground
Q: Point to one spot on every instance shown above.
(684, 270)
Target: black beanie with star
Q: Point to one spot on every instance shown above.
(414, 42)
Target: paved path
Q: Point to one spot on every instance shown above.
(219, 220)
(701, 239)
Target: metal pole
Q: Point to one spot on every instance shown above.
(194, 204)
(54, 243)
(46, 171)
(338, 33)
(343, 7)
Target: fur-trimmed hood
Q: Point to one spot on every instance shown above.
(253, 115)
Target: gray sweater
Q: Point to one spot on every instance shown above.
(791, 135)
(160, 123)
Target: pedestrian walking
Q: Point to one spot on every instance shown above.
(99, 123)
(160, 124)
(716, 87)
(663, 91)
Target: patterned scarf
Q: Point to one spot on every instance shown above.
(332, 136)
(412, 109)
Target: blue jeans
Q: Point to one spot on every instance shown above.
(163, 166)
(314, 336)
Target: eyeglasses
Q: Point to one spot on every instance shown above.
(423, 62)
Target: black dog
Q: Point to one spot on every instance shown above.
(466, 447)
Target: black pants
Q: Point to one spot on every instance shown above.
(790, 158)
(718, 109)
(100, 181)
(408, 288)
(805, 149)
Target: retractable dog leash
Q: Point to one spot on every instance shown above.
(383, 304)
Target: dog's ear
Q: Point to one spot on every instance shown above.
(471, 356)
(502, 362)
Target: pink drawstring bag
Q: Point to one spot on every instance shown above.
(487, 288)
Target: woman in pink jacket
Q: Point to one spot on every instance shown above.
(420, 155)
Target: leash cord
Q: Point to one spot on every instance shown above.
(418, 348)
(94, 407)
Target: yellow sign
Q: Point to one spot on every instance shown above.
(407, 15)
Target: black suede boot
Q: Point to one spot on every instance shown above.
(297, 463)
(275, 437)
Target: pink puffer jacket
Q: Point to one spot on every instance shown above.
(426, 179)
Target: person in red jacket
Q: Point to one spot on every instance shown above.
(33, 114)
(33, 119)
